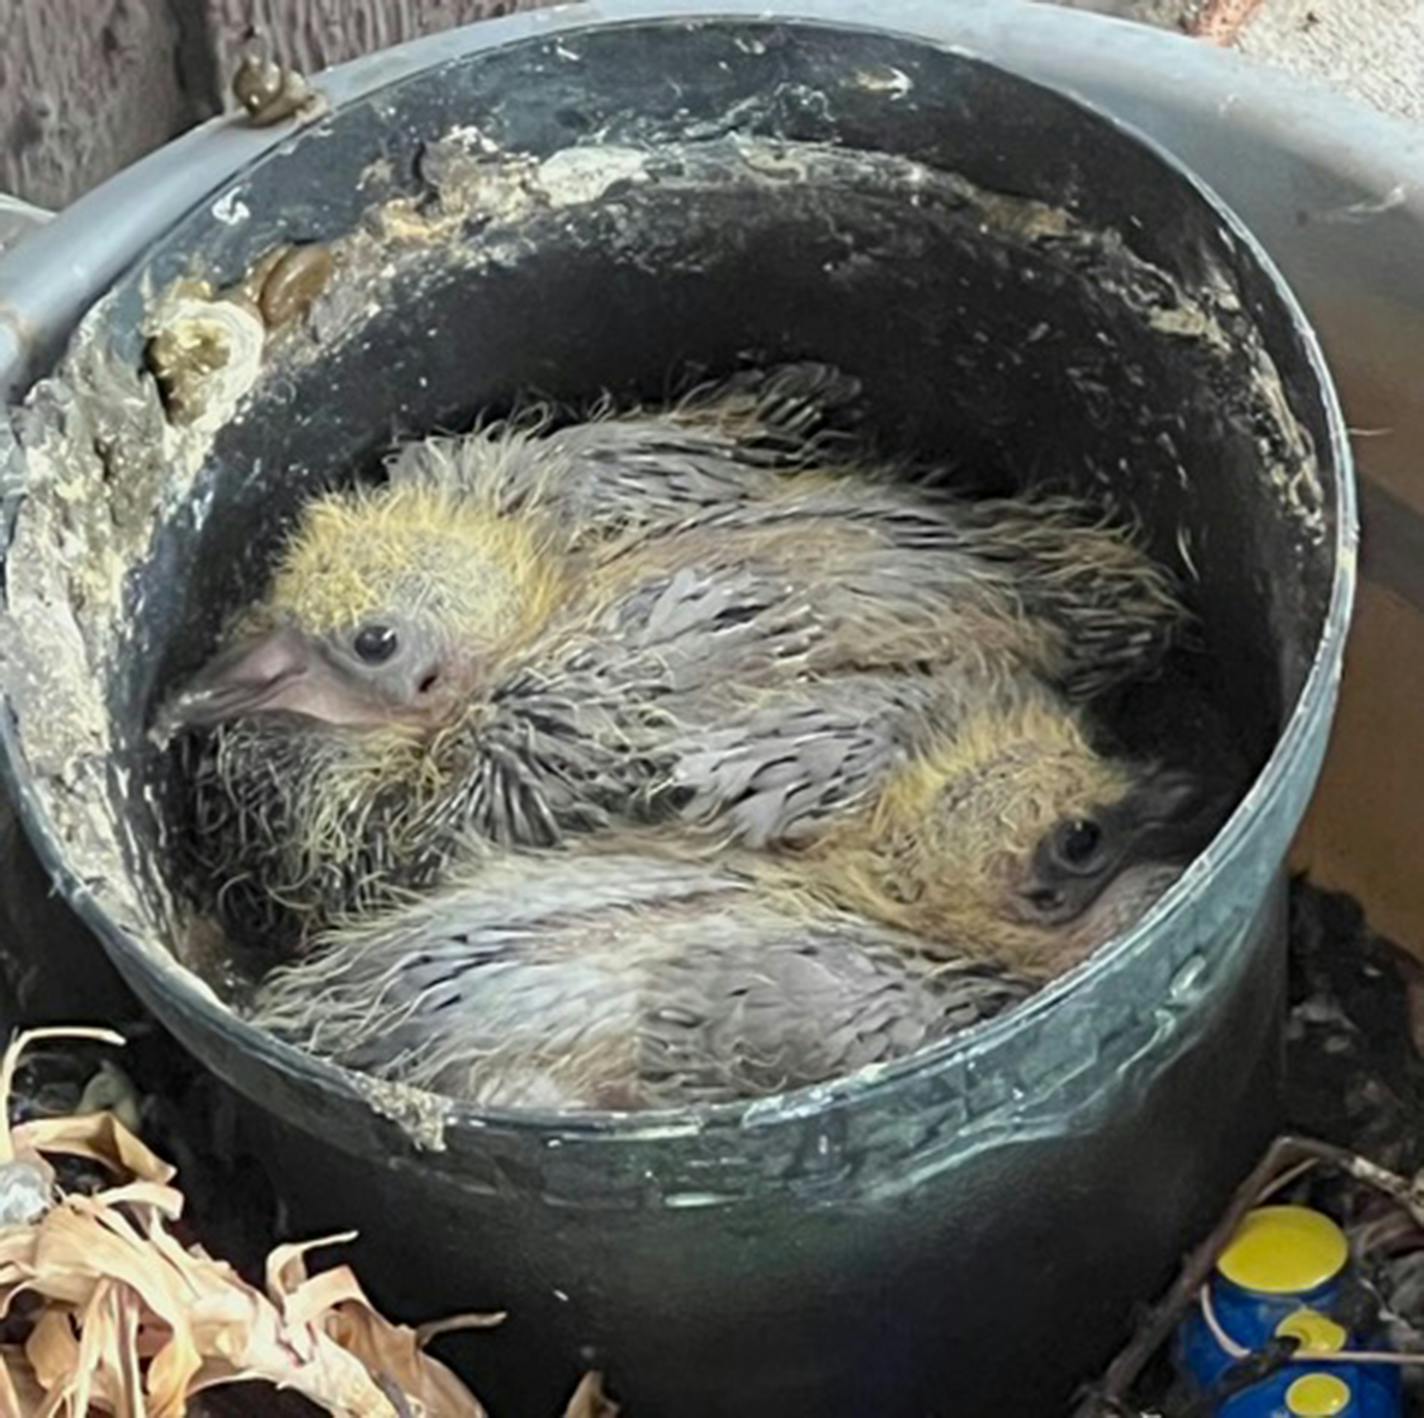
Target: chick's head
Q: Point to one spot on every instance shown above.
(1012, 836)
(386, 608)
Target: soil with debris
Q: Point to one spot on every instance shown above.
(1355, 1069)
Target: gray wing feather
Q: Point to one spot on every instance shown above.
(779, 771)
(726, 458)
(758, 1003)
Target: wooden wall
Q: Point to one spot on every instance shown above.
(87, 86)
(314, 34)
(1365, 831)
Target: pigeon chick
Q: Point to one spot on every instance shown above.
(630, 976)
(760, 449)
(442, 656)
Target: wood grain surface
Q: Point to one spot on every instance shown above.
(314, 34)
(86, 86)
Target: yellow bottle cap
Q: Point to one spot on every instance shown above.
(1284, 1250)
(1318, 1396)
(1314, 1331)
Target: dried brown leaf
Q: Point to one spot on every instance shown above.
(393, 1351)
(101, 1137)
(52, 1350)
(454, 1324)
(19, 1393)
(132, 1322)
(287, 1273)
(10, 1060)
(390, 1351)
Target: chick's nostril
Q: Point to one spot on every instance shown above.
(429, 682)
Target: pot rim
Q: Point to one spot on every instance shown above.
(184, 173)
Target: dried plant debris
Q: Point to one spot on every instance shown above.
(107, 1311)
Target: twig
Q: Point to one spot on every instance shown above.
(1405, 1191)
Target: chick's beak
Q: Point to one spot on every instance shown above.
(280, 671)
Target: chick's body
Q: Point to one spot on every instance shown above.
(629, 975)
(619, 980)
(538, 635)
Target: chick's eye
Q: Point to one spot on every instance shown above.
(375, 644)
(1079, 840)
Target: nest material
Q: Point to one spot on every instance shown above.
(108, 1312)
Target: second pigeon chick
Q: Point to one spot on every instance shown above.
(631, 977)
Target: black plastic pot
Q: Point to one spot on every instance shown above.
(1021, 284)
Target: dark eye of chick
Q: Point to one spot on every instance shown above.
(1079, 840)
(375, 644)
